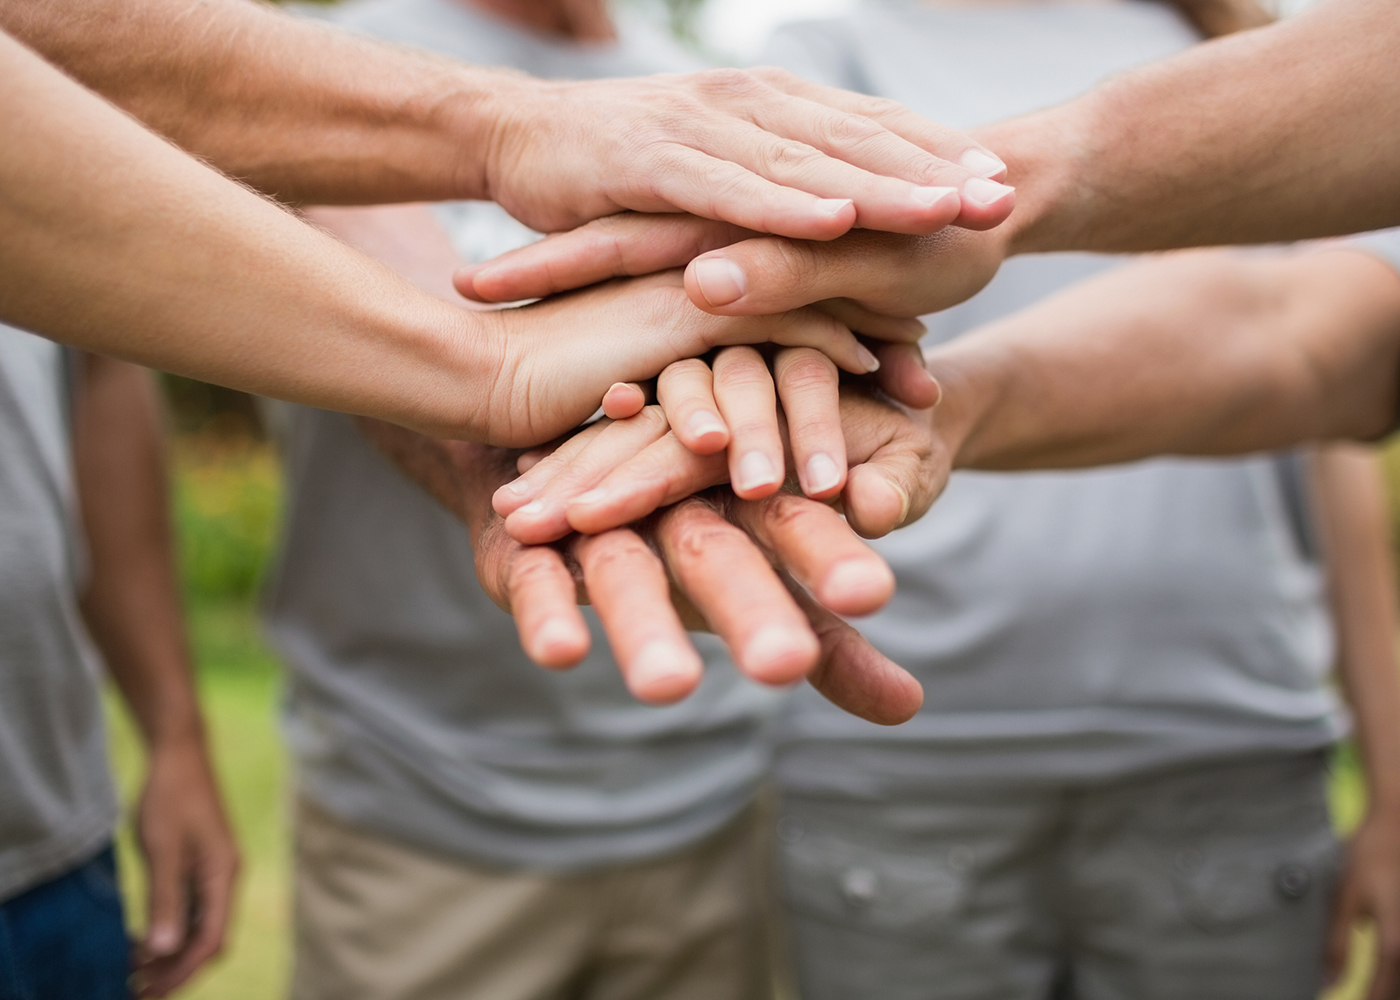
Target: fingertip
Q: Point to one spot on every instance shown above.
(984, 163)
(985, 203)
(558, 643)
(623, 400)
(713, 282)
(512, 496)
(755, 476)
(704, 433)
(874, 505)
(779, 654)
(856, 586)
(163, 939)
(904, 375)
(464, 280)
(662, 672)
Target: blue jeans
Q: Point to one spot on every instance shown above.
(65, 939)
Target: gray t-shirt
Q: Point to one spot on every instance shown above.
(57, 804)
(412, 710)
(1082, 625)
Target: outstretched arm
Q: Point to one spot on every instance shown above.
(312, 114)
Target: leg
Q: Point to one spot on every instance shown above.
(67, 938)
(380, 920)
(1211, 883)
(938, 897)
(694, 925)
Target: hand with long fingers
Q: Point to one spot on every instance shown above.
(615, 472)
(866, 279)
(703, 563)
(761, 148)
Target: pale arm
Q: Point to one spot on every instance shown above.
(133, 611)
(312, 114)
(1354, 517)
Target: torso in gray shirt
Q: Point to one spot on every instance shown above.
(57, 805)
(1067, 626)
(412, 710)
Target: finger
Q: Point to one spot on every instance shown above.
(869, 323)
(1345, 912)
(663, 474)
(749, 406)
(166, 893)
(631, 593)
(616, 246)
(887, 203)
(904, 376)
(854, 675)
(1385, 982)
(716, 187)
(946, 145)
(623, 400)
(545, 518)
(214, 895)
(686, 392)
(537, 471)
(544, 600)
(730, 581)
(813, 543)
(808, 386)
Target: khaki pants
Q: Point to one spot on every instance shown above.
(379, 920)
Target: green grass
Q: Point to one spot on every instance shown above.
(226, 505)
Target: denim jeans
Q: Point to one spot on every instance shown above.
(65, 939)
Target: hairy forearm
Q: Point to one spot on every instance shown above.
(132, 605)
(1199, 353)
(1286, 132)
(1353, 515)
(298, 109)
(158, 259)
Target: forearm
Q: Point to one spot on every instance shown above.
(1200, 353)
(1276, 134)
(132, 605)
(298, 109)
(158, 259)
(1353, 515)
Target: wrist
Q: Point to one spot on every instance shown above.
(1048, 158)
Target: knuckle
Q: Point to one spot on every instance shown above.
(788, 156)
(846, 130)
(726, 82)
(803, 368)
(697, 539)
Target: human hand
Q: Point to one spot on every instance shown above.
(555, 359)
(760, 148)
(733, 271)
(1370, 890)
(615, 472)
(191, 862)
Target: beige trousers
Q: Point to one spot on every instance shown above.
(379, 920)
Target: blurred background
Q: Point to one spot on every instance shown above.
(227, 490)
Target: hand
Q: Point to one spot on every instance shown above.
(615, 472)
(555, 359)
(191, 862)
(1370, 889)
(776, 633)
(760, 148)
(730, 271)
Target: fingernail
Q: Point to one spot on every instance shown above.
(779, 654)
(914, 329)
(857, 583)
(981, 163)
(163, 940)
(597, 495)
(871, 362)
(822, 474)
(984, 193)
(832, 206)
(532, 508)
(930, 196)
(754, 471)
(553, 637)
(721, 280)
(518, 487)
(703, 424)
(661, 671)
